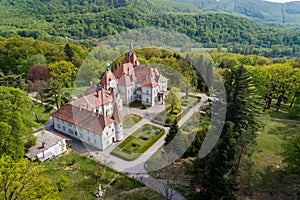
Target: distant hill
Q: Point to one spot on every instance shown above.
(270, 12)
(86, 20)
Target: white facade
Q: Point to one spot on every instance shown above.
(48, 146)
(100, 141)
(53, 151)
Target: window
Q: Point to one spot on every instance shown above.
(89, 139)
(80, 134)
(95, 141)
(106, 133)
(70, 131)
(58, 125)
(64, 128)
(76, 133)
(113, 130)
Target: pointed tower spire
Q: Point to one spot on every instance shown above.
(130, 48)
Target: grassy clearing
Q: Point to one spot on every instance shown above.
(164, 118)
(269, 143)
(268, 159)
(130, 120)
(187, 132)
(285, 112)
(40, 115)
(138, 105)
(137, 143)
(80, 170)
(190, 102)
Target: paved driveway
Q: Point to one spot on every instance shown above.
(136, 168)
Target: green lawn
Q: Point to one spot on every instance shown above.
(80, 170)
(269, 143)
(38, 111)
(137, 143)
(138, 105)
(187, 131)
(164, 118)
(284, 112)
(130, 120)
(268, 159)
(190, 102)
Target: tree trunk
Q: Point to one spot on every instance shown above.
(294, 97)
(279, 102)
(240, 157)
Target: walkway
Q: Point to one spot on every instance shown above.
(285, 120)
(136, 168)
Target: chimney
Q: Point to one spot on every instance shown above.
(106, 113)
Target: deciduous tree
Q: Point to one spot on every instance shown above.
(64, 71)
(173, 101)
(54, 95)
(16, 120)
(24, 180)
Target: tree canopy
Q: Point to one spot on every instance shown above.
(24, 180)
(16, 121)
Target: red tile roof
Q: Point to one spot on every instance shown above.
(130, 58)
(94, 100)
(83, 118)
(126, 68)
(106, 78)
(117, 114)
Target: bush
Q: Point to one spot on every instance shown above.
(62, 183)
(170, 119)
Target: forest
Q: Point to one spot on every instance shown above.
(50, 54)
(96, 19)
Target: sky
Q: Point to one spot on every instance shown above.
(281, 1)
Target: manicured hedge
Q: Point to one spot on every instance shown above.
(137, 143)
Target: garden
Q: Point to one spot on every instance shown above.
(130, 120)
(137, 143)
(165, 118)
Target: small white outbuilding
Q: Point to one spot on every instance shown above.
(48, 145)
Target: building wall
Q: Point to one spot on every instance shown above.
(119, 131)
(122, 91)
(100, 141)
(57, 149)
